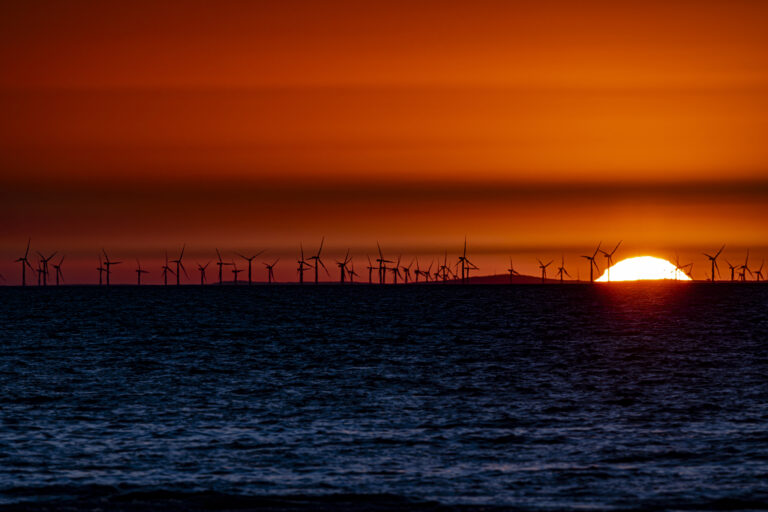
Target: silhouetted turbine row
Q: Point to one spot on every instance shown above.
(444, 271)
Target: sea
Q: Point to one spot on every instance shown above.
(636, 396)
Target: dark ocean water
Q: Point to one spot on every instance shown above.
(639, 396)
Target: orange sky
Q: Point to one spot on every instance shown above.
(529, 126)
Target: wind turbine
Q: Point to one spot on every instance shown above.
(609, 259)
(682, 268)
(543, 268)
(180, 266)
(108, 263)
(139, 271)
(318, 261)
(351, 272)
(57, 268)
(407, 272)
(745, 268)
(303, 265)
(343, 266)
(166, 270)
(713, 259)
(271, 270)
(250, 259)
(512, 271)
(395, 271)
(235, 271)
(24, 260)
(561, 269)
(382, 265)
(464, 262)
(101, 270)
(593, 264)
(221, 265)
(427, 273)
(44, 265)
(370, 270)
(732, 268)
(202, 269)
(759, 272)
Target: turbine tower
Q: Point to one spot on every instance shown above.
(543, 268)
(713, 260)
(202, 269)
(250, 259)
(318, 261)
(57, 268)
(561, 269)
(139, 271)
(24, 260)
(166, 270)
(108, 263)
(180, 266)
(593, 264)
(512, 271)
(221, 265)
(44, 266)
(303, 265)
(271, 270)
(609, 259)
(343, 267)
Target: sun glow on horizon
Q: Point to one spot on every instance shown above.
(642, 268)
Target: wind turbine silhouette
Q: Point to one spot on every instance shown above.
(370, 270)
(713, 259)
(427, 273)
(180, 266)
(139, 271)
(108, 263)
(417, 272)
(444, 268)
(382, 265)
(250, 259)
(732, 268)
(24, 260)
(396, 270)
(235, 271)
(543, 268)
(466, 265)
(221, 265)
(271, 270)
(101, 270)
(759, 272)
(44, 265)
(561, 269)
(745, 268)
(681, 268)
(343, 266)
(407, 272)
(201, 269)
(303, 265)
(57, 268)
(166, 270)
(351, 272)
(512, 271)
(609, 259)
(593, 264)
(318, 261)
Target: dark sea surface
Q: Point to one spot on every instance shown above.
(637, 396)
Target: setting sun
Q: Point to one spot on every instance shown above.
(643, 268)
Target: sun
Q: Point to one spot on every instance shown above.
(643, 268)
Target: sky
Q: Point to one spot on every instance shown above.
(536, 129)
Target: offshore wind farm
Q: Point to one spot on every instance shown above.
(455, 270)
